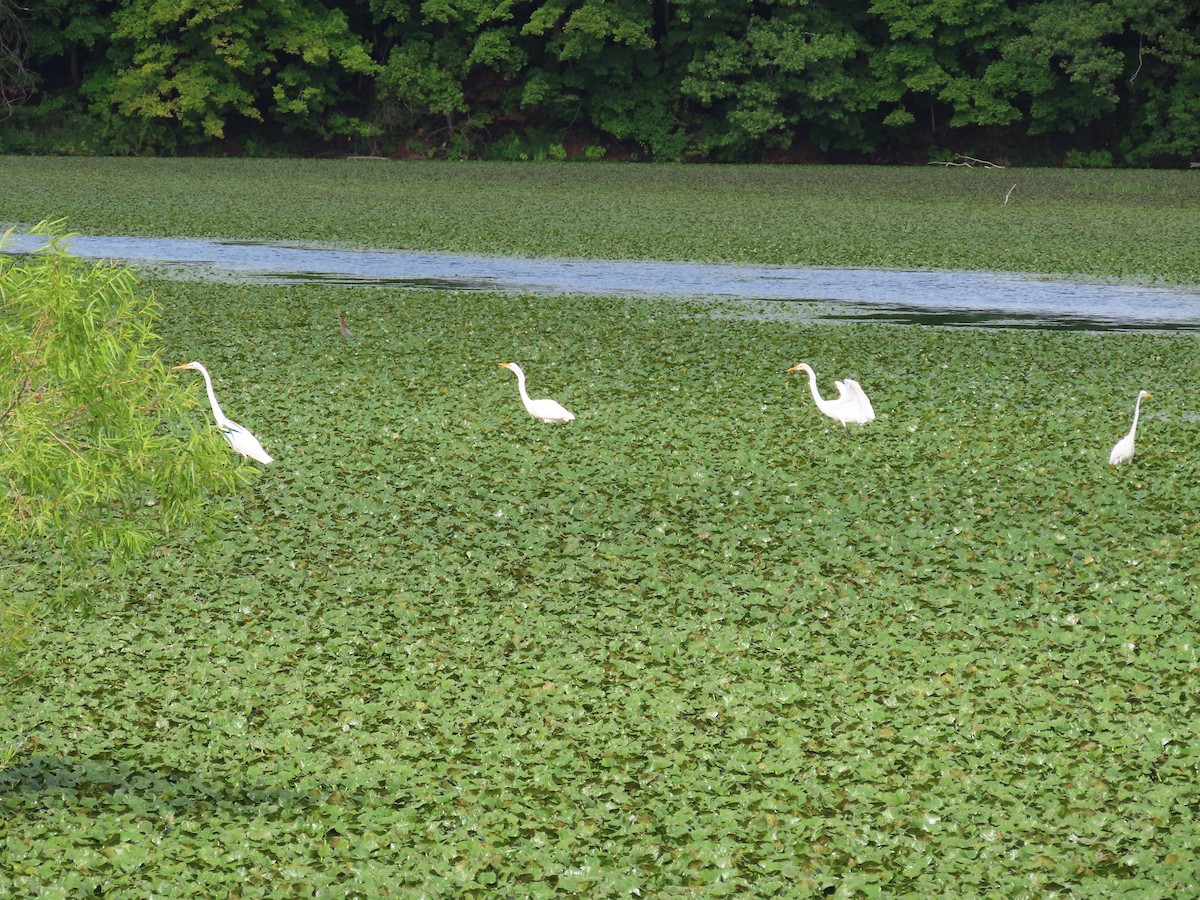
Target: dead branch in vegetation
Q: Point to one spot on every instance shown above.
(968, 161)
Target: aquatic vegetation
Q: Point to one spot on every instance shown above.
(1109, 224)
(699, 639)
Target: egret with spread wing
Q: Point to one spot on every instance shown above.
(850, 406)
(545, 409)
(1123, 451)
(238, 437)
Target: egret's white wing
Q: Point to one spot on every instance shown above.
(864, 402)
(244, 442)
(549, 410)
(1123, 451)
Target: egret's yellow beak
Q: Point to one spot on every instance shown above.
(794, 369)
(176, 368)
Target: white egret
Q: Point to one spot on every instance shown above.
(1123, 451)
(545, 409)
(238, 437)
(850, 406)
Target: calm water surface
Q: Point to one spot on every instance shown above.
(978, 299)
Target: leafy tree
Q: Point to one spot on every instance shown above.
(1162, 81)
(940, 67)
(599, 62)
(1065, 64)
(197, 65)
(766, 74)
(448, 67)
(101, 450)
(70, 32)
(14, 78)
(713, 79)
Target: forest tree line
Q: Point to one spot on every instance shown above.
(1111, 82)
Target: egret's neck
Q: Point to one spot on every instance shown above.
(212, 397)
(521, 385)
(1137, 411)
(812, 385)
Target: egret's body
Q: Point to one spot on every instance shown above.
(241, 440)
(850, 407)
(545, 409)
(1123, 451)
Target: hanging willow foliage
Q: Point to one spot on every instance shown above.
(101, 450)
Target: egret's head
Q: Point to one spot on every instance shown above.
(799, 367)
(1144, 394)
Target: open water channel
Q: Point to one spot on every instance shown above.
(946, 298)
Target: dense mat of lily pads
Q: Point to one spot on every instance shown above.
(1126, 224)
(698, 639)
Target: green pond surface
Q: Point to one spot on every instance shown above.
(698, 642)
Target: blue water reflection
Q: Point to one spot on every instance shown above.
(979, 299)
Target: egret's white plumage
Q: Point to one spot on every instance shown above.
(1123, 451)
(850, 407)
(545, 409)
(238, 437)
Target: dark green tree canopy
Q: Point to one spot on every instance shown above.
(1114, 81)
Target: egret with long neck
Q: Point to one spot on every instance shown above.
(1122, 452)
(240, 439)
(850, 406)
(545, 409)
